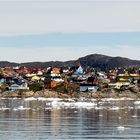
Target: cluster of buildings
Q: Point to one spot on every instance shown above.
(88, 79)
(124, 77)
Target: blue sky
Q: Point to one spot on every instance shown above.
(72, 39)
(64, 30)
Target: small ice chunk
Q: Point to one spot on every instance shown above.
(137, 102)
(114, 108)
(121, 128)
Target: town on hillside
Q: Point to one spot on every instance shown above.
(73, 79)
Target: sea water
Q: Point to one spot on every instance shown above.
(70, 119)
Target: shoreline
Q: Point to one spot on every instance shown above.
(77, 95)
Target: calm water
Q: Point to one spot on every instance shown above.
(53, 119)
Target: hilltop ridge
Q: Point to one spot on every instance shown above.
(92, 60)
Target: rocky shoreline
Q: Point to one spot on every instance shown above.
(54, 94)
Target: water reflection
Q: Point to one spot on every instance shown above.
(33, 119)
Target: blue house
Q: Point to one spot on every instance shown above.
(88, 87)
(18, 87)
(79, 70)
(19, 81)
(2, 80)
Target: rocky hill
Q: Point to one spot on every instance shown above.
(93, 60)
(103, 61)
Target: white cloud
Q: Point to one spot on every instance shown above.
(22, 17)
(28, 54)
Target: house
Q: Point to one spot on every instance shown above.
(88, 87)
(55, 75)
(78, 78)
(73, 69)
(9, 80)
(51, 84)
(79, 70)
(56, 70)
(3, 86)
(65, 70)
(128, 78)
(81, 78)
(30, 75)
(18, 80)
(101, 75)
(52, 80)
(91, 80)
(35, 78)
(77, 74)
(39, 73)
(2, 80)
(118, 85)
(23, 86)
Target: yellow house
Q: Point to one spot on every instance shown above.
(30, 75)
(122, 79)
(55, 74)
(135, 75)
(35, 78)
(126, 74)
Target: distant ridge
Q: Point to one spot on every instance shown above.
(93, 60)
(103, 61)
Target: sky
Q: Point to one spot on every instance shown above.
(46, 30)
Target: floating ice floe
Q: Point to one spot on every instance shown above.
(130, 107)
(21, 108)
(4, 108)
(137, 107)
(134, 116)
(101, 115)
(53, 99)
(3, 98)
(119, 117)
(99, 108)
(41, 99)
(117, 99)
(84, 104)
(57, 104)
(121, 128)
(137, 102)
(70, 100)
(30, 99)
(115, 108)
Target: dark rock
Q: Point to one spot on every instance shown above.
(134, 89)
